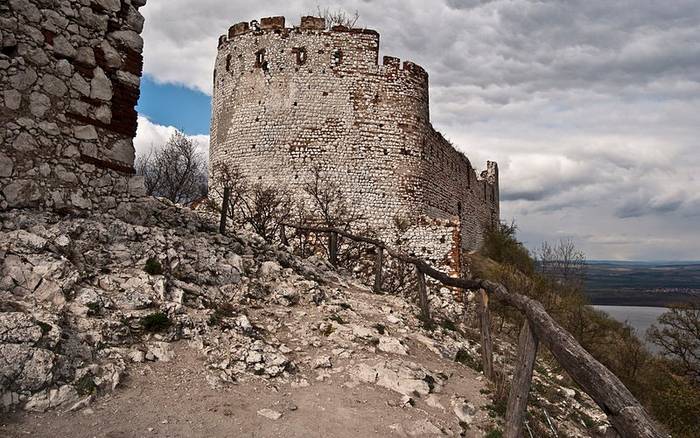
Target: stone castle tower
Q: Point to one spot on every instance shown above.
(287, 100)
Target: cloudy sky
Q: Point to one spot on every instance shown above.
(591, 107)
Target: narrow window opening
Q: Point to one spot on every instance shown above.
(260, 61)
(301, 55)
(228, 62)
(337, 57)
(459, 209)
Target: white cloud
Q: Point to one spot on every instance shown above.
(150, 135)
(591, 108)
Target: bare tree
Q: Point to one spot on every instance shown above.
(678, 335)
(338, 17)
(176, 171)
(229, 176)
(329, 205)
(562, 262)
(145, 167)
(265, 209)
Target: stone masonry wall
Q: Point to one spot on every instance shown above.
(69, 82)
(287, 100)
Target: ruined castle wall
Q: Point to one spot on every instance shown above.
(69, 83)
(365, 124)
(453, 189)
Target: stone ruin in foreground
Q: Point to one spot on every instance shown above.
(69, 82)
(288, 101)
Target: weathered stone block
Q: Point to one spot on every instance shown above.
(100, 86)
(313, 23)
(23, 80)
(85, 132)
(54, 85)
(238, 29)
(123, 152)
(24, 142)
(13, 99)
(272, 23)
(6, 166)
(39, 104)
(110, 5)
(63, 47)
(86, 56)
(22, 193)
(128, 38)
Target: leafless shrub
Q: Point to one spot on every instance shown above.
(338, 17)
(229, 176)
(176, 171)
(562, 262)
(328, 204)
(265, 209)
(678, 335)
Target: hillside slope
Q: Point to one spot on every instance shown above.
(227, 335)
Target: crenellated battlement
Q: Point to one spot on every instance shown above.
(342, 48)
(278, 24)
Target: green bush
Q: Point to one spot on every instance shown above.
(449, 325)
(501, 245)
(45, 328)
(153, 267)
(156, 322)
(494, 433)
(86, 385)
(465, 358)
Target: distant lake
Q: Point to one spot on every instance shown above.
(641, 318)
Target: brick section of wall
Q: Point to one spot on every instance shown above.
(290, 99)
(69, 83)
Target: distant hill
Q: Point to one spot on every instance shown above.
(630, 283)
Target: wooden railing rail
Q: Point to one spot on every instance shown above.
(624, 411)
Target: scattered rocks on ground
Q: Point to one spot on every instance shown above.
(84, 300)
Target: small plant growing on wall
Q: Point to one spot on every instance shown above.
(153, 267)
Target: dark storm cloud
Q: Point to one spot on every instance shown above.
(592, 107)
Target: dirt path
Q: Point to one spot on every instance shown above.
(174, 400)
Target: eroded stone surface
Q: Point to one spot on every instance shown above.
(61, 87)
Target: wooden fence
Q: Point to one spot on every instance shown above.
(624, 412)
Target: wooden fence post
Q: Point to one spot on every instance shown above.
(378, 266)
(522, 379)
(485, 330)
(224, 210)
(333, 248)
(423, 296)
